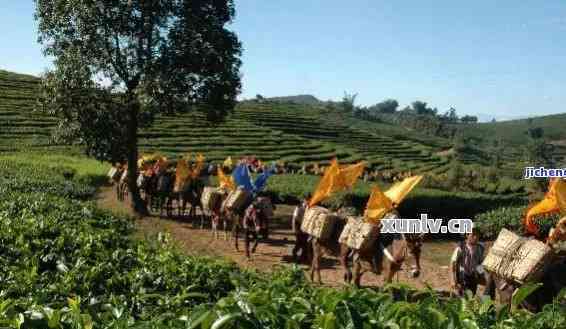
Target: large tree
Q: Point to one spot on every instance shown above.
(120, 62)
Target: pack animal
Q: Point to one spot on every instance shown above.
(255, 223)
(394, 247)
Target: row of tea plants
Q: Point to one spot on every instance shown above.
(66, 264)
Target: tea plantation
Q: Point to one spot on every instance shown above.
(66, 264)
(292, 133)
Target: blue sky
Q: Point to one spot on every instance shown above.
(501, 58)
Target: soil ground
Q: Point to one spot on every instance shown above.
(277, 250)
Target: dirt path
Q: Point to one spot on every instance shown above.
(277, 250)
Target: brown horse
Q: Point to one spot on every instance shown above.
(189, 194)
(161, 198)
(301, 242)
(401, 246)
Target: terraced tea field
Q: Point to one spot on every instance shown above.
(292, 133)
(19, 126)
(380, 150)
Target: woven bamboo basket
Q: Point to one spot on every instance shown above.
(318, 222)
(358, 234)
(516, 258)
(237, 200)
(211, 198)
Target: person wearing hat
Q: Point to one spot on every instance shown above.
(466, 267)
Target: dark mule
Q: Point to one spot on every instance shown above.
(216, 216)
(232, 217)
(553, 280)
(330, 246)
(193, 198)
(395, 248)
(161, 200)
(301, 244)
(255, 222)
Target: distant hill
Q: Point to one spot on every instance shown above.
(483, 117)
(514, 131)
(513, 134)
(297, 99)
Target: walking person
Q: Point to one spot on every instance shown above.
(466, 267)
(301, 238)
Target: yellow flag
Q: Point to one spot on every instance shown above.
(560, 189)
(399, 191)
(324, 188)
(228, 162)
(182, 173)
(198, 167)
(554, 201)
(349, 175)
(378, 205)
(226, 182)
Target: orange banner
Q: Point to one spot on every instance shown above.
(378, 205)
(553, 202)
(349, 175)
(399, 191)
(198, 167)
(226, 182)
(324, 188)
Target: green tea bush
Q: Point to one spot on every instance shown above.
(66, 264)
(490, 223)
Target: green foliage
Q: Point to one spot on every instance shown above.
(148, 52)
(66, 264)
(490, 223)
(349, 102)
(512, 135)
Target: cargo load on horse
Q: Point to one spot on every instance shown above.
(359, 234)
(238, 200)
(349, 235)
(515, 260)
(212, 198)
(318, 222)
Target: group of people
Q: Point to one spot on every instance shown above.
(466, 271)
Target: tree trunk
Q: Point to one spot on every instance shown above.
(138, 205)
